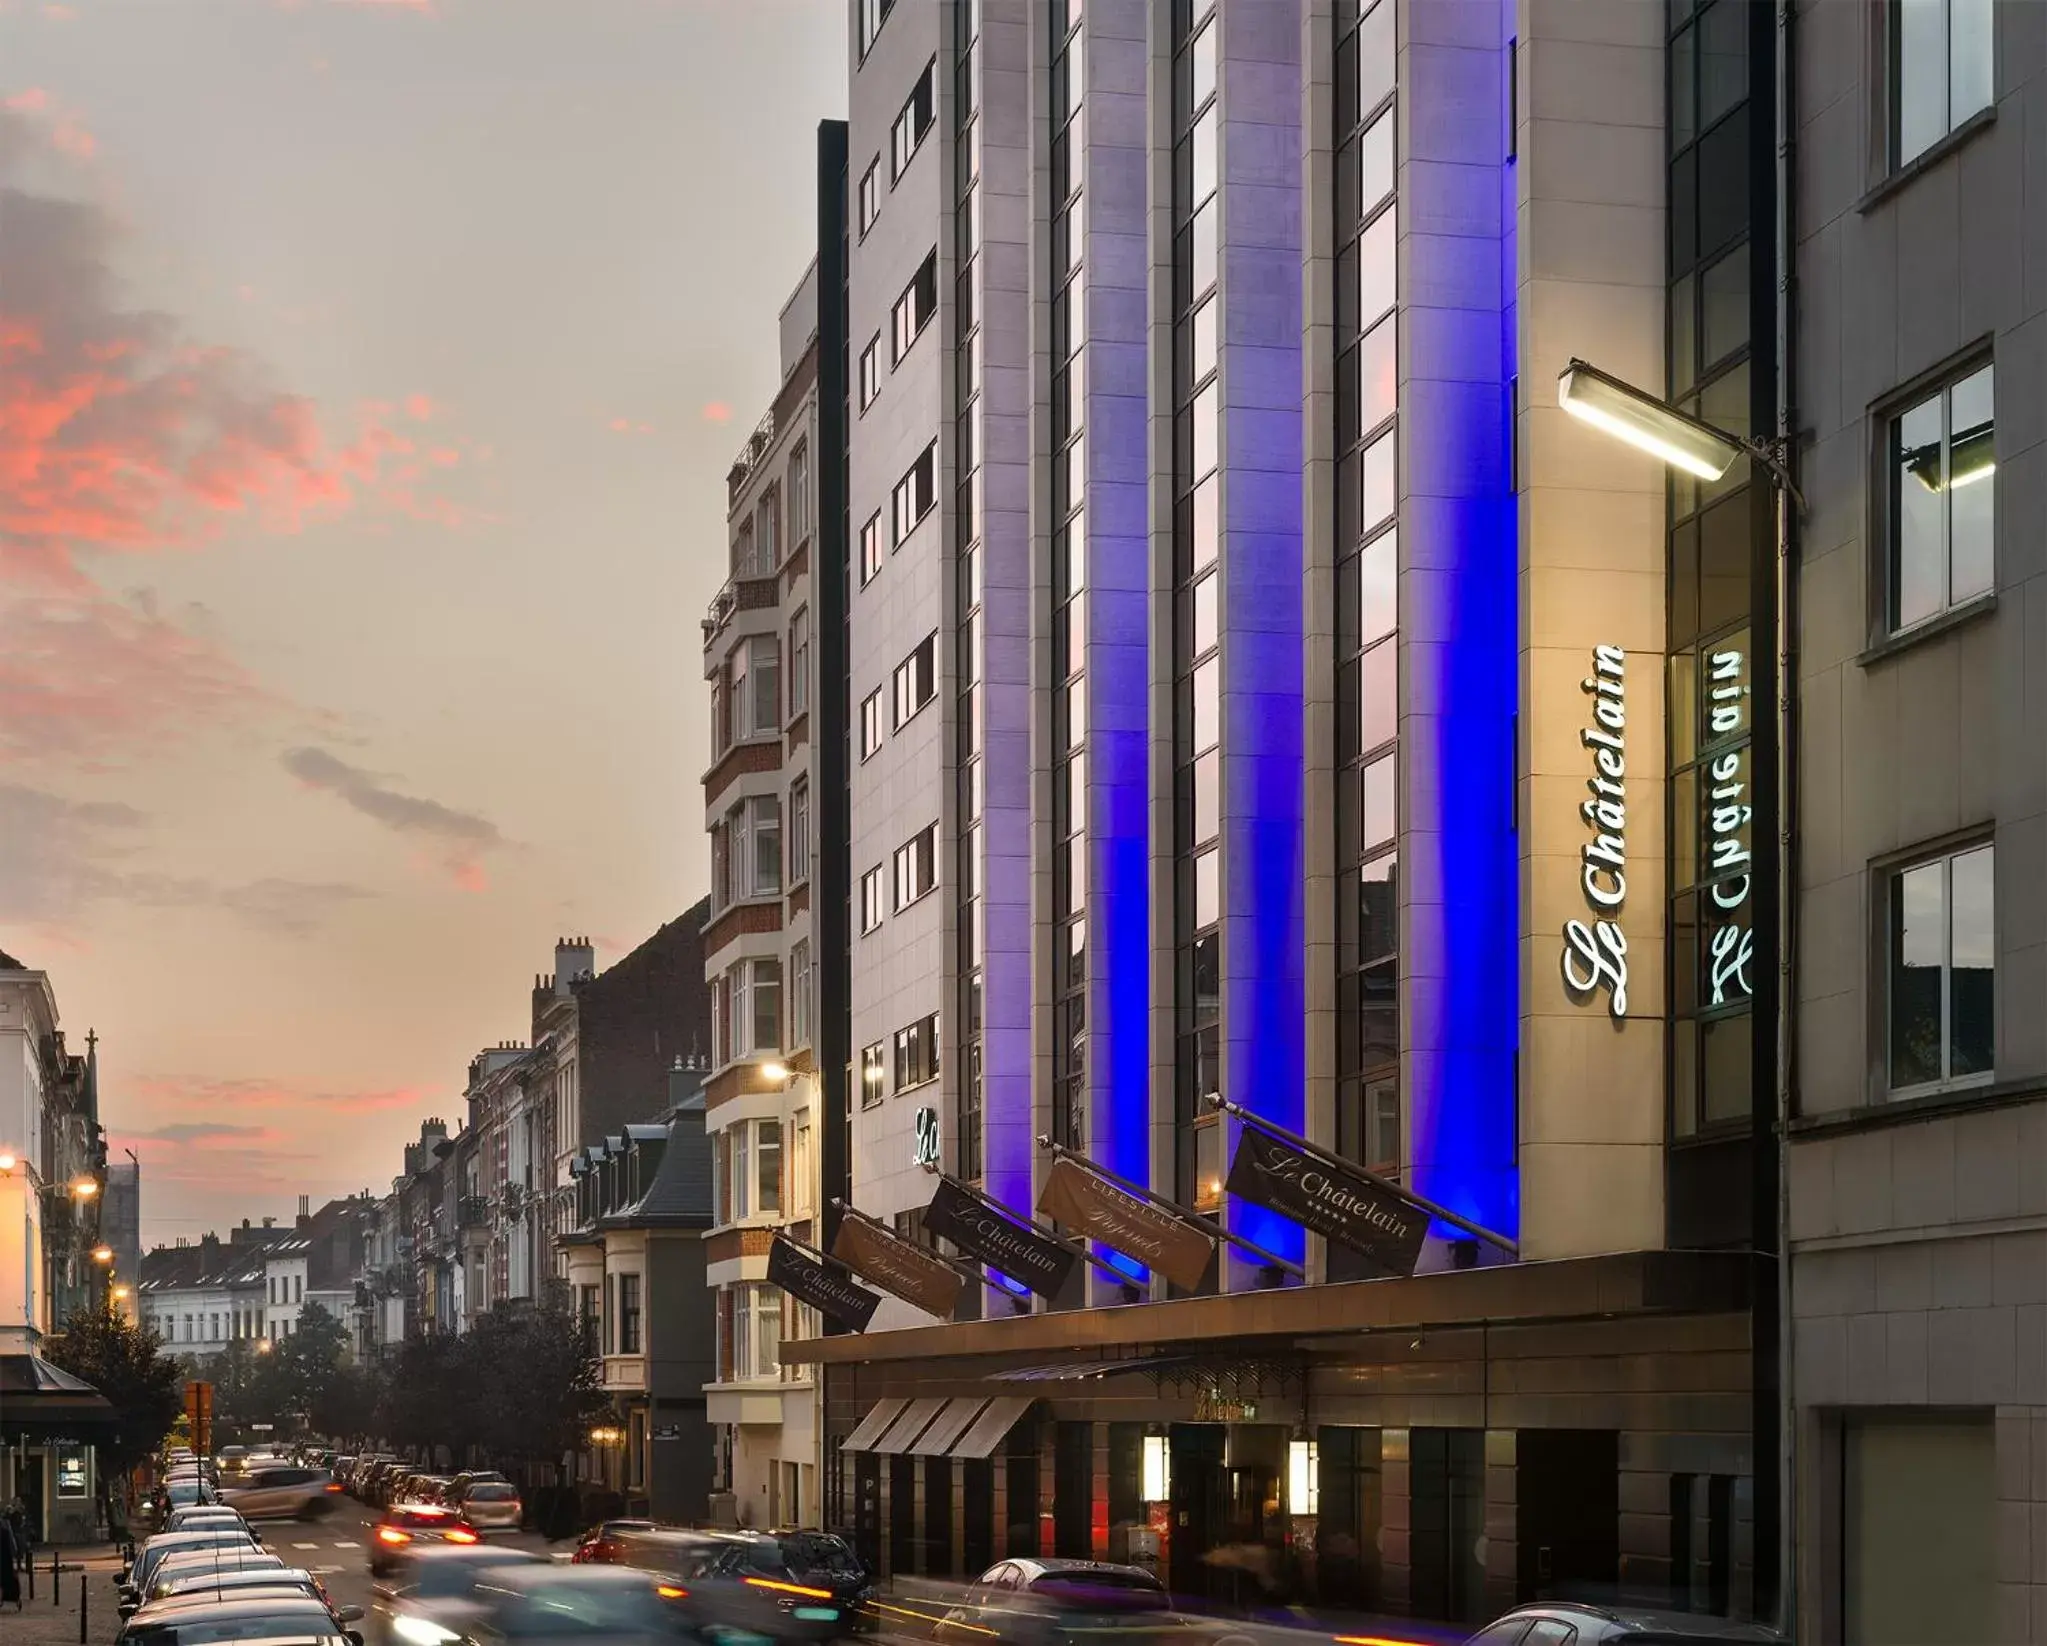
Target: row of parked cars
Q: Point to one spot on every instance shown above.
(486, 1499)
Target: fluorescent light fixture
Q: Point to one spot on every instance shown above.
(1157, 1471)
(1303, 1478)
(1644, 422)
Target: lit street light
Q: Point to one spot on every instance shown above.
(774, 1071)
(1639, 419)
(85, 1188)
(103, 1254)
(6, 1162)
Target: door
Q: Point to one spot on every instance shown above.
(1918, 1531)
(1567, 1516)
(1200, 1488)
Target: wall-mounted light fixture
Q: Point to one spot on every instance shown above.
(1157, 1471)
(1303, 1477)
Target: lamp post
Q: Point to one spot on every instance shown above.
(1699, 448)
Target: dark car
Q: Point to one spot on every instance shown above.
(786, 1586)
(410, 1523)
(604, 1545)
(430, 1597)
(541, 1601)
(201, 1619)
(1567, 1623)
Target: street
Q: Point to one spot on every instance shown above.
(336, 1551)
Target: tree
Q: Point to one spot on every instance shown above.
(126, 1363)
(541, 1385)
(432, 1399)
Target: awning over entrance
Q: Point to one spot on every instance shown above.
(992, 1427)
(37, 1398)
(1082, 1371)
(873, 1425)
(948, 1426)
(904, 1433)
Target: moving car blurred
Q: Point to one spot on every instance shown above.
(412, 1523)
(197, 1620)
(490, 1505)
(1568, 1623)
(782, 1586)
(541, 1602)
(602, 1544)
(430, 1598)
(286, 1491)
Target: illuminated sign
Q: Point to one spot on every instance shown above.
(925, 1150)
(1595, 953)
(1731, 946)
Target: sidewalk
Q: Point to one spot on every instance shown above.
(42, 1623)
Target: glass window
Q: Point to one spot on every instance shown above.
(870, 371)
(870, 548)
(1207, 889)
(916, 866)
(1940, 70)
(873, 1074)
(628, 1314)
(1378, 801)
(1943, 464)
(1378, 696)
(799, 660)
(1943, 971)
(1207, 726)
(1375, 163)
(1203, 628)
(916, 679)
(871, 905)
(913, 122)
(914, 495)
(1378, 258)
(870, 194)
(916, 1053)
(1379, 587)
(914, 308)
(1377, 381)
(870, 723)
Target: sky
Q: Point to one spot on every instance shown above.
(369, 372)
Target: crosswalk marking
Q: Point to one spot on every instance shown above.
(305, 1545)
(323, 1571)
(338, 1545)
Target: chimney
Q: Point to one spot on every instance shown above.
(305, 1205)
(683, 1083)
(575, 959)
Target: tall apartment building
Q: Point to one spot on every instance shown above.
(764, 1097)
(1235, 677)
(1919, 1144)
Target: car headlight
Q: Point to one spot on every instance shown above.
(421, 1631)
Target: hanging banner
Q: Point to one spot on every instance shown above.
(1003, 1242)
(1339, 1205)
(1093, 1206)
(811, 1279)
(895, 1265)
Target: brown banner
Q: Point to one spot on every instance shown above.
(1372, 1219)
(894, 1265)
(1093, 1206)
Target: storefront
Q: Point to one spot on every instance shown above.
(48, 1421)
(1439, 1446)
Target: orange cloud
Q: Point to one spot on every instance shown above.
(418, 407)
(717, 411)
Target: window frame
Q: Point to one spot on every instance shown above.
(873, 1073)
(869, 200)
(907, 324)
(870, 373)
(913, 685)
(871, 734)
(1895, 59)
(796, 834)
(1890, 876)
(914, 868)
(1886, 419)
(871, 556)
(905, 142)
(872, 907)
(914, 1054)
(913, 497)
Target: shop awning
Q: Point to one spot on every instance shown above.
(872, 1426)
(992, 1427)
(904, 1433)
(39, 1399)
(949, 1425)
(1080, 1371)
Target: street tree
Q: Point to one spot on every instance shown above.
(541, 1385)
(126, 1364)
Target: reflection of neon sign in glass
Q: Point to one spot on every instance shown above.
(1732, 945)
(1595, 954)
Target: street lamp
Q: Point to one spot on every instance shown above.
(777, 1072)
(120, 1294)
(6, 1162)
(1640, 419)
(103, 1254)
(84, 1189)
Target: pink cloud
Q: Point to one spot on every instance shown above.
(60, 14)
(716, 411)
(419, 408)
(625, 425)
(29, 100)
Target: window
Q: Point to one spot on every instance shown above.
(756, 1007)
(873, 13)
(755, 690)
(914, 495)
(916, 680)
(799, 495)
(1943, 463)
(913, 122)
(766, 545)
(870, 194)
(870, 723)
(1940, 70)
(799, 832)
(799, 993)
(628, 1314)
(1943, 971)
(754, 852)
(767, 1155)
(873, 1078)
(799, 662)
(914, 309)
(739, 1202)
(870, 371)
(870, 899)
(916, 866)
(870, 548)
(917, 1053)
(799, 1163)
(756, 1340)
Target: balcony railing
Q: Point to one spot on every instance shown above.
(740, 594)
(473, 1211)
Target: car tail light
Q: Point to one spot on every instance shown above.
(789, 1588)
(333, 1485)
(669, 1591)
(391, 1534)
(460, 1534)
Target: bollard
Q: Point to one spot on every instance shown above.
(84, 1601)
(30, 1562)
(56, 1582)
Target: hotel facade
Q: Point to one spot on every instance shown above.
(1297, 917)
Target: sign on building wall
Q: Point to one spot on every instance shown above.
(1093, 1206)
(1004, 1243)
(824, 1286)
(914, 1275)
(1338, 1204)
(925, 1150)
(1595, 952)
(1729, 817)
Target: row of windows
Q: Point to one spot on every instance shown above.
(913, 1054)
(911, 872)
(241, 1325)
(913, 684)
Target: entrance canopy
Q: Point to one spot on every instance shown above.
(38, 1400)
(969, 1426)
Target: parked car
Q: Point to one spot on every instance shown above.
(491, 1506)
(411, 1523)
(207, 1564)
(135, 1578)
(285, 1491)
(176, 1580)
(603, 1544)
(1029, 1602)
(199, 1516)
(430, 1597)
(544, 1602)
(197, 1620)
(1567, 1623)
(785, 1586)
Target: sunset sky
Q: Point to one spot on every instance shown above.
(369, 370)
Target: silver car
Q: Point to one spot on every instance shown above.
(430, 1597)
(492, 1506)
(542, 1602)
